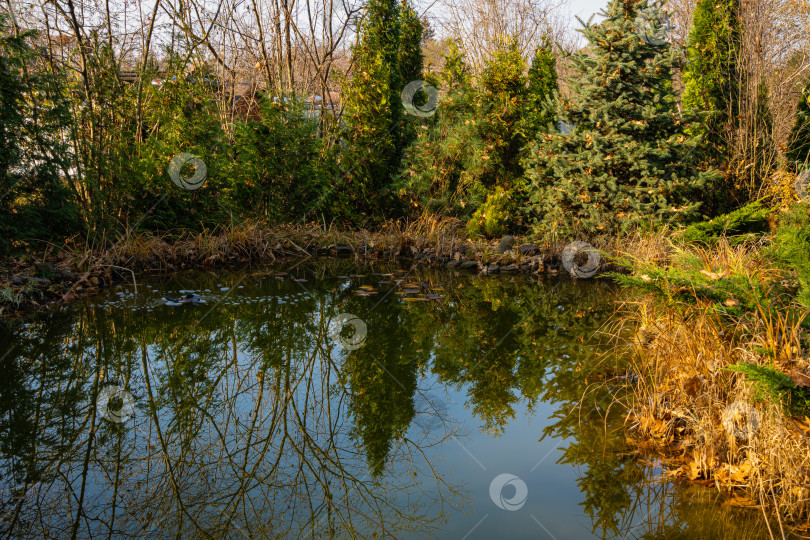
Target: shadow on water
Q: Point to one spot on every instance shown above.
(257, 415)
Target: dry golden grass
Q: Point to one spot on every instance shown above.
(644, 247)
(683, 404)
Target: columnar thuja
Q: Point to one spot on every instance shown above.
(386, 51)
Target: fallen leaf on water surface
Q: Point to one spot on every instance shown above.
(365, 293)
(729, 474)
(738, 500)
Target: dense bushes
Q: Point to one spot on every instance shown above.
(277, 166)
(34, 148)
(469, 155)
(492, 154)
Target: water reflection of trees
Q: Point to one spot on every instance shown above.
(252, 421)
(244, 428)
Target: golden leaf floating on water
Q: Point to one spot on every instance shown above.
(738, 500)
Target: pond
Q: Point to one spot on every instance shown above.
(318, 399)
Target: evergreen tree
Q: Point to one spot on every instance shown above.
(503, 104)
(711, 77)
(455, 75)
(502, 101)
(35, 202)
(411, 58)
(627, 160)
(411, 62)
(798, 152)
(444, 160)
(373, 110)
(539, 114)
(471, 149)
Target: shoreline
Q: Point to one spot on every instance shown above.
(53, 278)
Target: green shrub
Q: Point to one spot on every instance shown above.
(183, 116)
(473, 144)
(36, 202)
(791, 246)
(495, 217)
(747, 222)
(278, 167)
(776, 387)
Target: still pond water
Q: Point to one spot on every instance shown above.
(447, 405)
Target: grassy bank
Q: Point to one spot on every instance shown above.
(715, 326)
(57, 274)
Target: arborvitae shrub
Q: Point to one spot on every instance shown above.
(539, 115)
(495, 217)
(710, 76)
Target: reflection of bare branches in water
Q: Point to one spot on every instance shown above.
(229, 440)
(253, 422)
